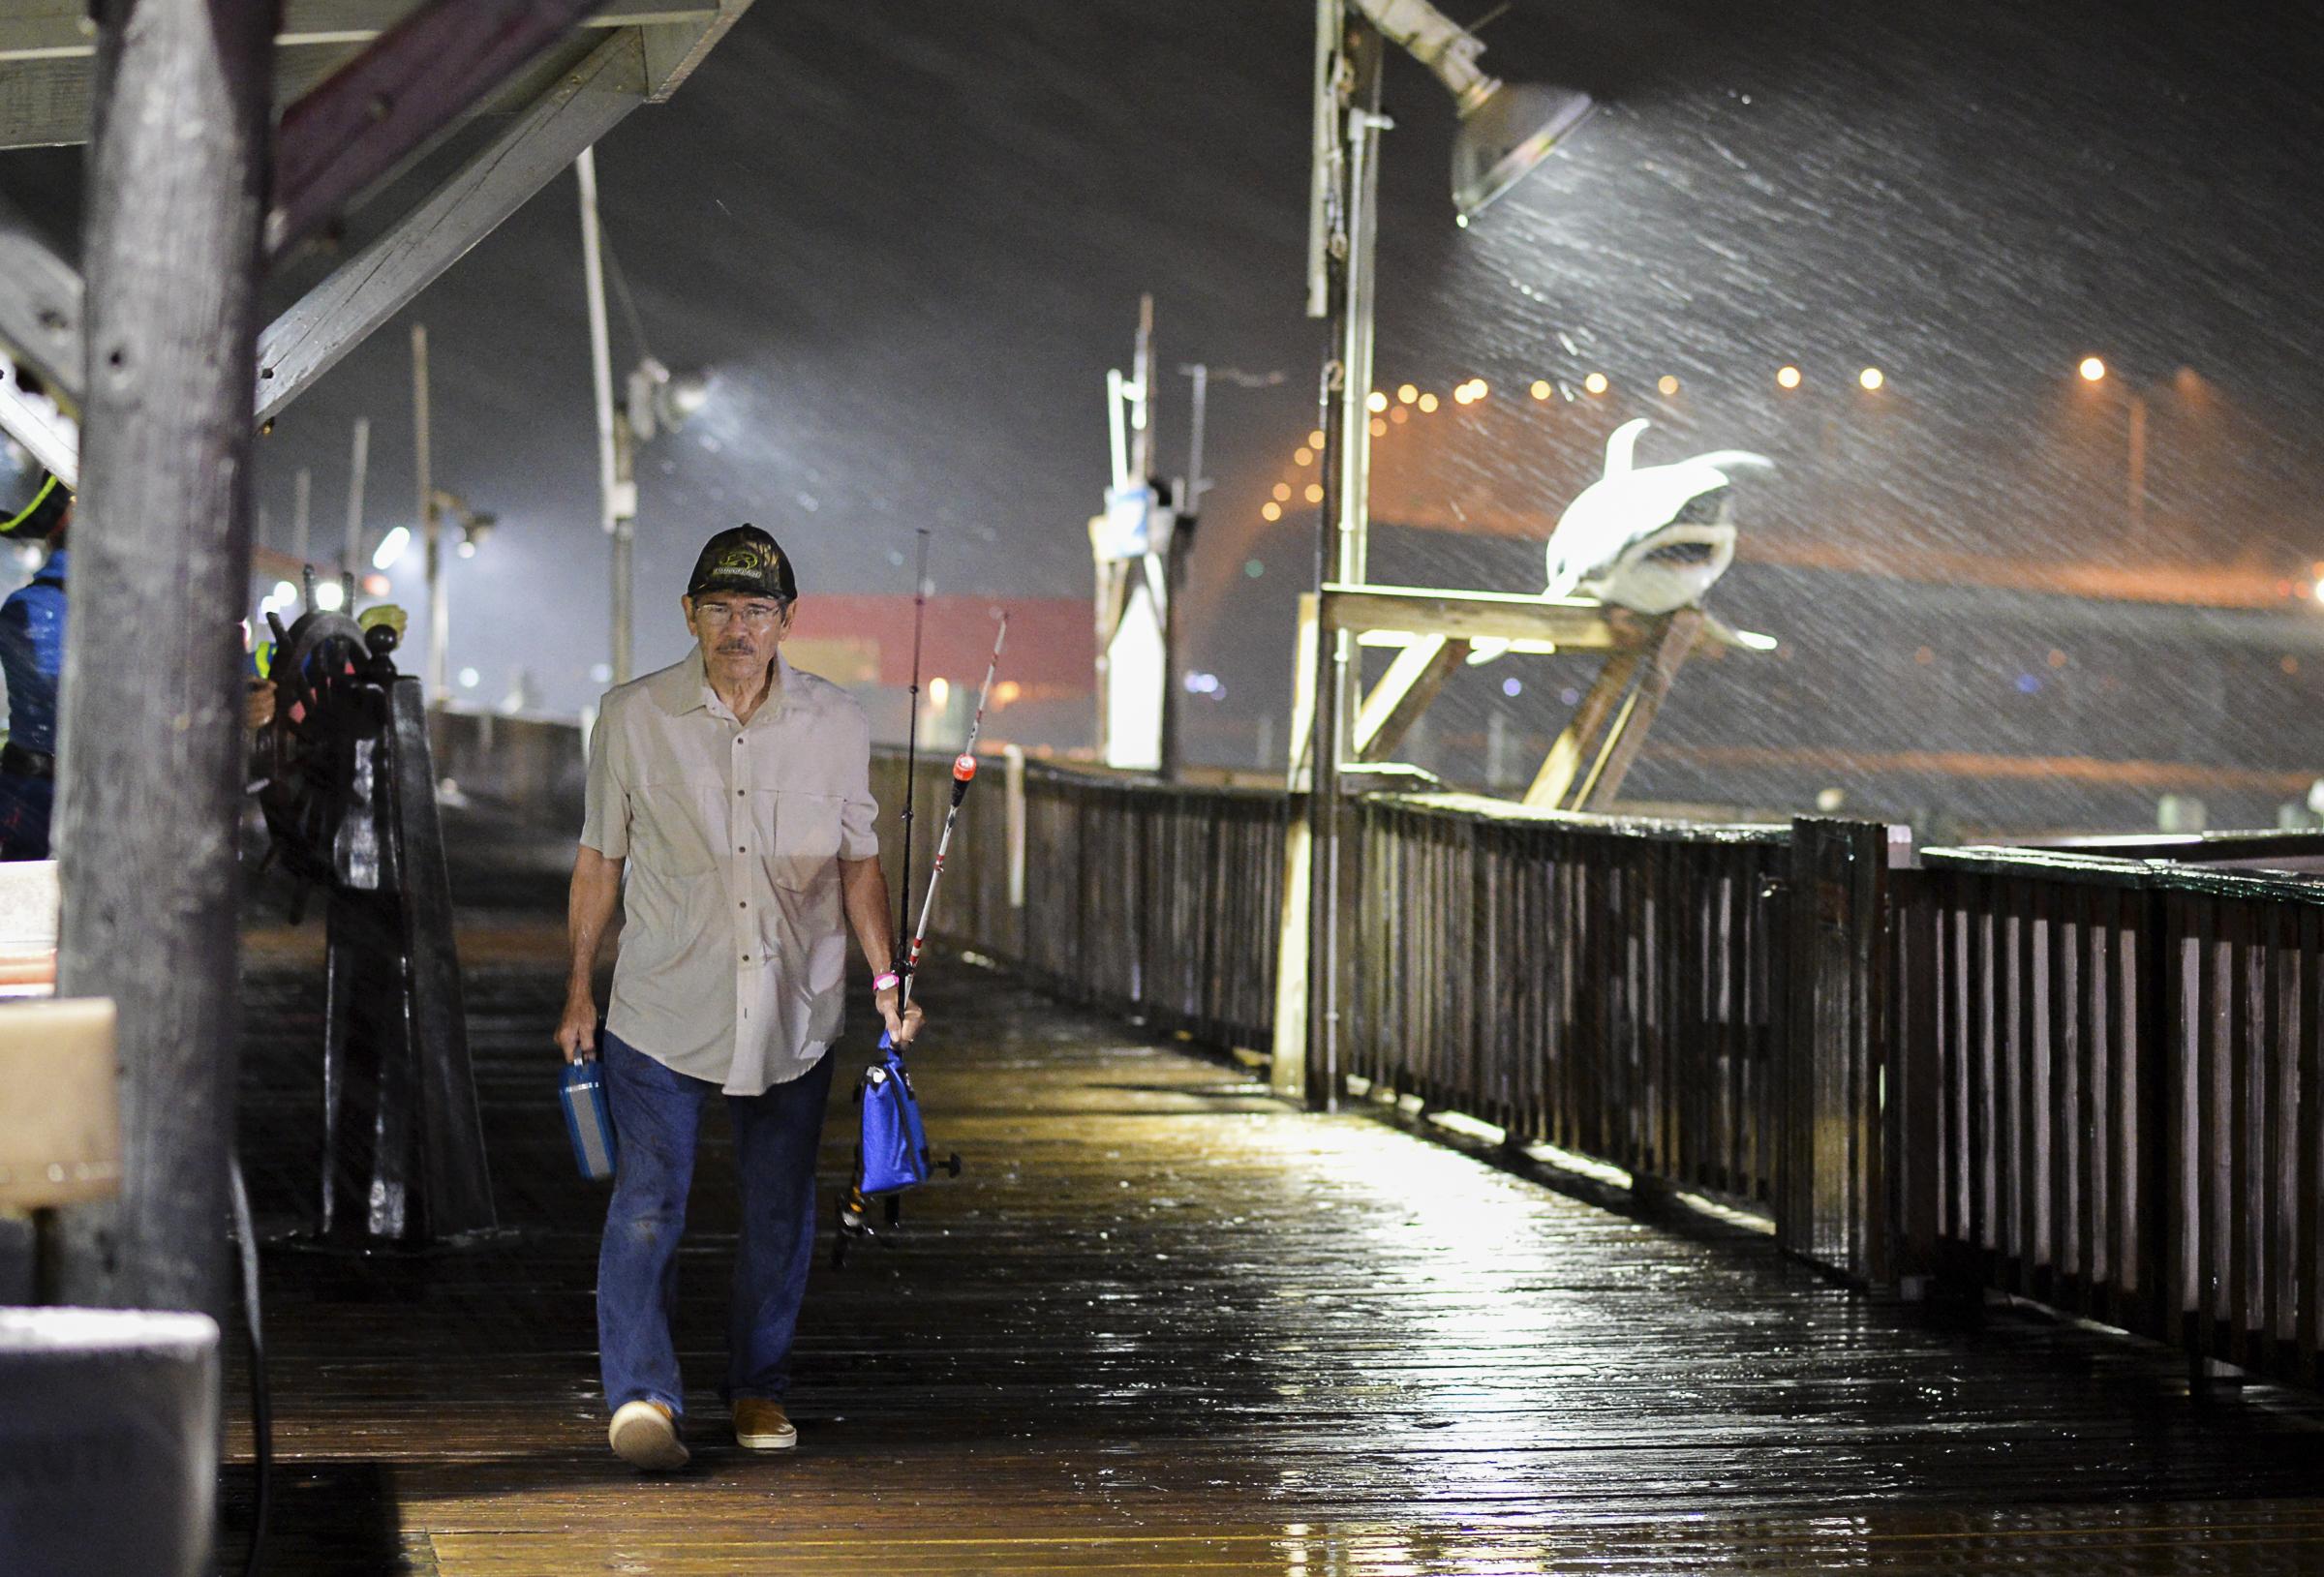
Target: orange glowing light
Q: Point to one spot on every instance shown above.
(1302, 456)
(1282, 491)
(1540, 389)
(1270, 510)
(1315, 492)
(2092, 368)
(1427, 402)
(1787, 377)
(1666, 384)
(1375, 402)
(1595, 383)
(1872, 377)
(1379, 428)
(1407, 393)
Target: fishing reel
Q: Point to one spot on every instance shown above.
(854, 1215)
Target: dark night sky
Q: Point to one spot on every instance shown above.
(911, 238)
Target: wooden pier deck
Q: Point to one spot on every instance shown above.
(1166, 1325)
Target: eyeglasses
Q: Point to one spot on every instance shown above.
(751, 614)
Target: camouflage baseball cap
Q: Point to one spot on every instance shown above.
(746, 560)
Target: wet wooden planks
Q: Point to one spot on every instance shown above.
(1166, 1325)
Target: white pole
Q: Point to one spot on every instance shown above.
(359, 475)
(431, 524)
(612, 515)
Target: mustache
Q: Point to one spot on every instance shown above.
(741, 647)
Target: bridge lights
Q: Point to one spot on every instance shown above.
(2092, 368)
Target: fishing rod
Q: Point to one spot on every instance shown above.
(911, 737)
(892, 1154)
(963, 772)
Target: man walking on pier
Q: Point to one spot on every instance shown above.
(734, 791)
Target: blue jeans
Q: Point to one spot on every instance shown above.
(657, 1117)
(26, 808)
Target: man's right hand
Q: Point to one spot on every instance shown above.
(577, 1030)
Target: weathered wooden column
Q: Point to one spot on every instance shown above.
(152, 752)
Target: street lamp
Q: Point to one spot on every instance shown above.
(1504, 131)
(1505, 128)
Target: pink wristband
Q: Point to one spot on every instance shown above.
(886, 982)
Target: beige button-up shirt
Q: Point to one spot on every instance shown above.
(734, 943)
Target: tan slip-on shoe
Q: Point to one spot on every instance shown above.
(761, 1425)
(645, 1435)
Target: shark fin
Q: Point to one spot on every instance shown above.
(1620, 444)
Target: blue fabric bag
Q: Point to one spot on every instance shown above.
(589, 1119)
(894, 1154)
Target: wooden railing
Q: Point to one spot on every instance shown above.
(1156, 900)
(2088, 1080)
(1607, 986)
(2112, 1094)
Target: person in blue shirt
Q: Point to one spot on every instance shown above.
(32, 653)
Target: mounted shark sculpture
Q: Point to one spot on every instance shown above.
(1649, 538)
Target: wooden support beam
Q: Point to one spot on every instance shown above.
(407, 84)
(1583, 734)
(47, 434)
(149, 797)
(363, 293)
(60, 29)
(1672, 643)
(1574, 623)
(40, 306)
(1405, 691)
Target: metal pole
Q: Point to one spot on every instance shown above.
(150, 793)
(616, 494)
(1365, 126)
(302, 494)
(1142, 398)
(1343, 526)
(357, 478)
(431, 526)
(1196, 487)
(1174, 570)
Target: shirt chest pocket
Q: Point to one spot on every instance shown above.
(798, 838)
(674, 830)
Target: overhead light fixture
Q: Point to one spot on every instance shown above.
(1505, 128)
(660, 400)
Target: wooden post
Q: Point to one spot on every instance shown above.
(1830, 1203)
(150, 789)
(1665, 655)
(1583, 734)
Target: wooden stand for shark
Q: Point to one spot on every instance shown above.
(1589, 759)
(1585, 765)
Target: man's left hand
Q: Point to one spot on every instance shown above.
(902, 1025)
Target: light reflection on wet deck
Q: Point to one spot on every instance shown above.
(1164, 1324)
